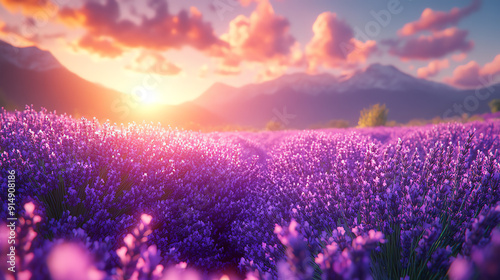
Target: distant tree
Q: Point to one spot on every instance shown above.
(331, 124)
(376, 115)
(274, 126)
(392, 124)
(338, 124)
(475, 118)
(416, 122)
(495, 105)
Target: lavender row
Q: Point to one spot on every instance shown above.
(403, 202)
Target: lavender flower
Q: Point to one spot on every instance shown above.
(407, 202)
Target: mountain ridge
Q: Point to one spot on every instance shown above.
(310, 99)
(55, 88)
(340, 82)
(324, 97)
(30, 58)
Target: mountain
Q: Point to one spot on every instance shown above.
(33, 76)
(29, 58)
(386, 77)
(300, 100)
(220, 93)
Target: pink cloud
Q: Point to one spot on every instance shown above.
(29, 7)
(26, 33)
(333, 44)
(263, 38)
(491, 68)
(203, 71)
(154, 63)
(100, 46)
(459, 57)
(473, 75)
(162, 31)
(227, 70)
(246, 3)
(438, 20)
(433, 68)
(270, 72)
(436, 45)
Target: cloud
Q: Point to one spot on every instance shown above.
(227, 70)
(27, 32)
(473, 75)
(154, 63)
(30, 7)
(161, 31)
(436, 45)
(459, 57)
(333, 44)
(438, 20)
(100, 46)
(246, 3)
(433, 68)
(9, 29)
(262, 38)
(203, 71)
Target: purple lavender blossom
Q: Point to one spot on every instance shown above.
(410, 202)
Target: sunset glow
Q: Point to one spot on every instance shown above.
(249, 139)
(190, 46)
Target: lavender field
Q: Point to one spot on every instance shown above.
(100, 201)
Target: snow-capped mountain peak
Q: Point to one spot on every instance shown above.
(387, 70)
(385, 77)
(30, 58)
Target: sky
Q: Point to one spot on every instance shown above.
(174, 50)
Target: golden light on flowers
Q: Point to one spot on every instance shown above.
(143, 153)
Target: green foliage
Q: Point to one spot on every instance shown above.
(376, 115)
(495, 105)
(464, 118)
(338, 124)
(331, 124)
(56, 203)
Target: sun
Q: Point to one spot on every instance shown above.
(148, 97)
(149, 103)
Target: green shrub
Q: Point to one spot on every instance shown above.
(376, 115)
(495, 105)
(338, 124)
(331, 124)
